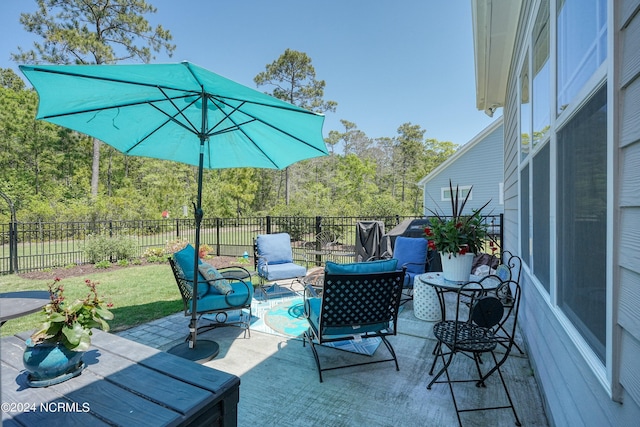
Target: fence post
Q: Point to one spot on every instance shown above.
(501, 236)
(318, 243)
(217, 236)
(13, 236)
(268, 224)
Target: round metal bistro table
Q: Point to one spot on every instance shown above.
(21, 303)
(440, 286)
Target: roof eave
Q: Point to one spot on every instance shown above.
(494, 32)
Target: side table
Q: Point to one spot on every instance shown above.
(426, 305)
(21, 303)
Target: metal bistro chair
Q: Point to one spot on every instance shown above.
(476, 331)
(508, 269)
(320, 247)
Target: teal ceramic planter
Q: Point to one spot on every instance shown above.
(51, 363)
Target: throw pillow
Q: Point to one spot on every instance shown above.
(184, 258)
(215, 279)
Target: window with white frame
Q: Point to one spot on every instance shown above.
(566, 155)
(463, 190)
(541, 76)
(582, 221)
(582, 45)
(525, 110)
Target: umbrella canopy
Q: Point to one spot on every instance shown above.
(156, 110)
(178, 112)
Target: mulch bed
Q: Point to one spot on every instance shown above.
(86, 269)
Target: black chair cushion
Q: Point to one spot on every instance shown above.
(487, 312)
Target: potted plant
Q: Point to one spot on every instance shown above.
(54, 352)
(458, 238)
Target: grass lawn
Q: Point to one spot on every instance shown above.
(139, 294)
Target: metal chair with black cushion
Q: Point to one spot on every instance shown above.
(355, 305)
(476, 330)
(210, 300)
(273, 258)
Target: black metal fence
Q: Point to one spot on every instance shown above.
(27, 247)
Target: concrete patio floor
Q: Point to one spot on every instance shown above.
(280, 386)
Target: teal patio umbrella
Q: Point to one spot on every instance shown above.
(178, 112)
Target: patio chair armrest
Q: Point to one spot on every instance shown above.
(419, 264)
(383, 255)
(235, 272)
(309, 292)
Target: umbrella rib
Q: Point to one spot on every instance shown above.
(266, 124)
(235, 126)
(170, 119)
(296, 109)
(112, 107)
(180, 111)
(111, 79)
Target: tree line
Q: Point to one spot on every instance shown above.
(55, 174)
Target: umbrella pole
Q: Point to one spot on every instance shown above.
(205, 350)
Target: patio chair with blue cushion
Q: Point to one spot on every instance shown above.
(219, 291)
(273, 258)
(359, 301)
(411, 253)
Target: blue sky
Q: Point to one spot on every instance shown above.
(385, 63)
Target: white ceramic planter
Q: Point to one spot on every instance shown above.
(456, 268)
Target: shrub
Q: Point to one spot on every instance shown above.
(103, 264)
(101, 247)
(153, 252)
(161, 258)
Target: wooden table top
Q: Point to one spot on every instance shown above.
(124, 383)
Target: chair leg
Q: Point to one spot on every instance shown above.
(392, 351)
(307, 336)
(504, 385)
(436, 352)
(444, 369)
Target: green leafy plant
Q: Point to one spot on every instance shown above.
(457, 234)
(153, 252)
(100, 247)
(70, 323)
(103, 264)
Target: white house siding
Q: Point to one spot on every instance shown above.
(479, 165)
(627, 22)
(573, 392)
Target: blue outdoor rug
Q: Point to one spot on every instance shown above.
(284, 317)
